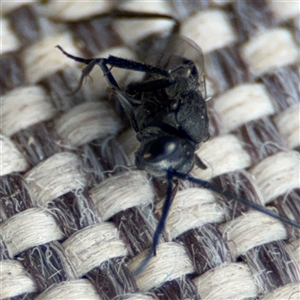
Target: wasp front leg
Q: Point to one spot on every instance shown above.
(112, 61)
(91, 63)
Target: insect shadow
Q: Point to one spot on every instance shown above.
(167, 110)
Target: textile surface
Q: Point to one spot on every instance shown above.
(77, 217)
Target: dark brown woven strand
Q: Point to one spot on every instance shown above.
(54, 215)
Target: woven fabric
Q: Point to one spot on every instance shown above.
(76, 216)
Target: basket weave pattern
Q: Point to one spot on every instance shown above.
(76, 217)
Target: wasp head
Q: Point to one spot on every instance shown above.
(165, 153)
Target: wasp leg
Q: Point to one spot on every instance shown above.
(113, 61)
(76, 58)
(128, 64)
(85, 73)
(149, 86)
(207, 185)
(91, 62)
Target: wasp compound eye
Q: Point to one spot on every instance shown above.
(160, 149)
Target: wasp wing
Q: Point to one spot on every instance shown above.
(173, 50)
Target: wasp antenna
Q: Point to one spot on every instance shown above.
(161, 224)
(143, 264)
(169, 198)
(242, 200)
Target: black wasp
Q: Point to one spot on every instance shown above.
(168, 112)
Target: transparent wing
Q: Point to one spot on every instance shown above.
(170, 56)
(179, 46)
